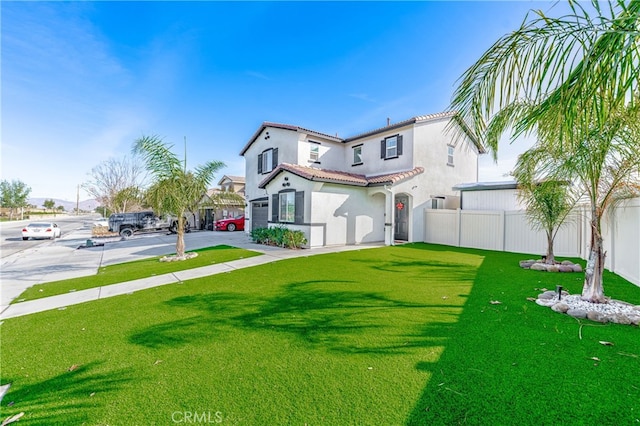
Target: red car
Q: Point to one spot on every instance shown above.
(230, 224)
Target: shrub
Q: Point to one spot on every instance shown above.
(260, 235)
(280, 236)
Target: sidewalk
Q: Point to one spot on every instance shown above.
(67, 261)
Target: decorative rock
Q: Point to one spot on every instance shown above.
(175, 258)
(541, 265)
(614, 311)
(577, 313)
(619, 319)
(546, 302)
(597, 316)
(560, 308)
(547, 295)
(621, 302)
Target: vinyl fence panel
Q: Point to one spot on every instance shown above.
(510, 231)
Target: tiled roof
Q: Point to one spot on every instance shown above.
(393, 178)
(334, 176)
(419, 118)
(234, 179)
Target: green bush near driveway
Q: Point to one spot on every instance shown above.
(394, 335)
(280, 236)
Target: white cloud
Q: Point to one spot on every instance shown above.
(257, 74)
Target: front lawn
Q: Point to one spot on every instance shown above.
(129, 271)
(394, 335)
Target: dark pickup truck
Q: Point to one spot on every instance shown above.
(127, 224)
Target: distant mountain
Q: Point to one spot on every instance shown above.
(69, 206)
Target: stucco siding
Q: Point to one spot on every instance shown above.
(372, 164)
(431, 152)
(330, 154)
(284, 140)
(350, 214)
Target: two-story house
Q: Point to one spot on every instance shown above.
(372, 187)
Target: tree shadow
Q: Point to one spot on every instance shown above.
(313, 312)
(214, 308)
(62, 399)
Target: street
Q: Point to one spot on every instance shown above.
(11, 239)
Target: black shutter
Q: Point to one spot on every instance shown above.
(383, 148)
(274, 158)
(299, 214)
(399, 144)
(259, 164)
(274, 207)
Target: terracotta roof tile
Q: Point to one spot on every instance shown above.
(393, 178)
(334, 176)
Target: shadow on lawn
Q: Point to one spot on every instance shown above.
(62, 399)
(322, 313)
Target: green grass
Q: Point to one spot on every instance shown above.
(393, 336)
(129, 271)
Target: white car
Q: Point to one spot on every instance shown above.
(41, 230)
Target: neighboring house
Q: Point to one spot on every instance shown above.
(214, 206)
(372, 187)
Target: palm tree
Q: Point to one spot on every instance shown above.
(548, 203)
(175, 190)
(573, 81)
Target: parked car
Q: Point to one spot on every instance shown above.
(41, 230)
(127, 224)
(230, 224)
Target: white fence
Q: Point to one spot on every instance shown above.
(510, 231)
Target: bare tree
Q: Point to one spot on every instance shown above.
(117, 183)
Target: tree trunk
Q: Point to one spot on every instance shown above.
(551, 259)
(593, 290)
(180, 239)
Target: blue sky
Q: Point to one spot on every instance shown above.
(82, 80)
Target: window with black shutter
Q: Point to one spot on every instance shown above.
(267, 160)
(391, 147)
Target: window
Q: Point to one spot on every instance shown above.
(450, 150)
(314, 152)
(287, 207)
(268, 160)
(357, 155)
(391, 147)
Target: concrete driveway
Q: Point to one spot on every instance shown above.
(63, 259)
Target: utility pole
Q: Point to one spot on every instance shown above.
(78, 201)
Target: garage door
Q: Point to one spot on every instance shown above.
(259, 214)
